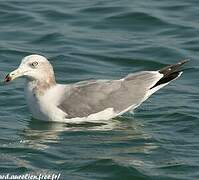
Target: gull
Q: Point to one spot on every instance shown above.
(91, 100)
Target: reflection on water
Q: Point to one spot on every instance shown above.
(124, 141)
(123, 130)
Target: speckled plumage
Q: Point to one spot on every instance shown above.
(93, 100)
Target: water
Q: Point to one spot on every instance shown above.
(103, 39)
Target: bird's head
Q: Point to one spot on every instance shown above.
(33, 67)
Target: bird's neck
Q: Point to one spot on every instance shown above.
(39, 87)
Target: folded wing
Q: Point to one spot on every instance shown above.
(90, 97)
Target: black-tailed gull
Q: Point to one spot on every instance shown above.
(87, 100)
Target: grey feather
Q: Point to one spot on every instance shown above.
(89, 97)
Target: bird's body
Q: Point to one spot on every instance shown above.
(92, 100)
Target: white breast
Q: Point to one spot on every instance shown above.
(44, 107)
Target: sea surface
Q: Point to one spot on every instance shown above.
(103, 39)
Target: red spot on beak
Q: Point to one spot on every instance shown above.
(7, 78)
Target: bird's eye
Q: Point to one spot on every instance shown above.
(34, 64)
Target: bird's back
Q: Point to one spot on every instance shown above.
(92, 97)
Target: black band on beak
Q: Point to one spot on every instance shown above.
(7, 78)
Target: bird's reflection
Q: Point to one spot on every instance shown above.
(123, 139)
(39, 135)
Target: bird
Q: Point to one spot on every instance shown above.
(89, 100)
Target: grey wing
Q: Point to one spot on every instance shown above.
(83, 99)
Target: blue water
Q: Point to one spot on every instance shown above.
(104, 39)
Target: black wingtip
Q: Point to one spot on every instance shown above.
(173, 68)
(184, 61)
(170, 72)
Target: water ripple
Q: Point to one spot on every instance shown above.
(103, 39)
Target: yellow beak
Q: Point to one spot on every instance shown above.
(13, 75)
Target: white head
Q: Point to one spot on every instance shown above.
(33, 67)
